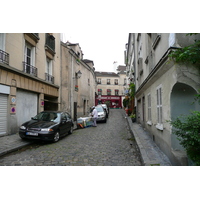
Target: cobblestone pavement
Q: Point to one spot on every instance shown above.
(108, 144)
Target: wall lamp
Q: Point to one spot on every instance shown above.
(78, 74)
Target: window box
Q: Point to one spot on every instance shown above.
(149, 123)
(76, 88)
(159, 127)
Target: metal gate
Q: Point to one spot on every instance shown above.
(26, 106)
(3, 113)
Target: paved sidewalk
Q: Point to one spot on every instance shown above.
(10, 143)
(150, 152)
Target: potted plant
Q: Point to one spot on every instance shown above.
(133, 117)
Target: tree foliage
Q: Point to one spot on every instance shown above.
(132, 90)
(126, 102)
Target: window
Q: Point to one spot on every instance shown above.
(116, 92)
(116, 81)
(124, 81)
(49, 66)
(48, 74)
(108, 81)
(28, 55)
(29, 60)
(2, 41)
(98, 81)
(156, 39)
(99, 91)
(4, 56)
(108, 91)
(149, 109)
(159, 108)
(139, 45)
(88, 82)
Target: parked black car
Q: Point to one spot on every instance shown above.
(47, 125)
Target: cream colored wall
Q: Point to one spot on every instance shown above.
(56, 60)
(86, 91)
(14, 45)
(69, 67)
(112, 86)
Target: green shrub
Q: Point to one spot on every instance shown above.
(187, 130)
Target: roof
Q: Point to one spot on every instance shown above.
(88, 61)
(121, 69)
(106, 74)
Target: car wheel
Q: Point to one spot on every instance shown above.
(71, 130)
(56, 137)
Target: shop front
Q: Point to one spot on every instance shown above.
(113, 101)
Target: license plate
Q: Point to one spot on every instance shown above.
(33, 134)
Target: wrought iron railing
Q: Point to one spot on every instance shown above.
(4, 57)
(49, 78)
(29, 69)
(50, 41)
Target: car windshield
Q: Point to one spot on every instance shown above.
(99, 109)
(48, 116)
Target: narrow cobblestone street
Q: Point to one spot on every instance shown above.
(108, 144)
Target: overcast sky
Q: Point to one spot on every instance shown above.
(103, 48)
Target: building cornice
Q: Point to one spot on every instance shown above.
(21, 73)
(156, 69)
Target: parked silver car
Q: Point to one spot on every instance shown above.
(101, 113)
(106, 108)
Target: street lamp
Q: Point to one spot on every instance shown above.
(78, 74)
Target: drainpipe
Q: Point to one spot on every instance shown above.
(71, 100)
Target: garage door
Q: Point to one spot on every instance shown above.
(26, 105)
(3, 113)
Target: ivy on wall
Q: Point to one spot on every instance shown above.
(189, 54)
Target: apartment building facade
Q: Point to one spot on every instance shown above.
(111, 87)
(78, 82)
(29, 77)
(164, 89)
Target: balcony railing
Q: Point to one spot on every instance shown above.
(49, 78)
(29, 69)
(4, 57)
(50, 42)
